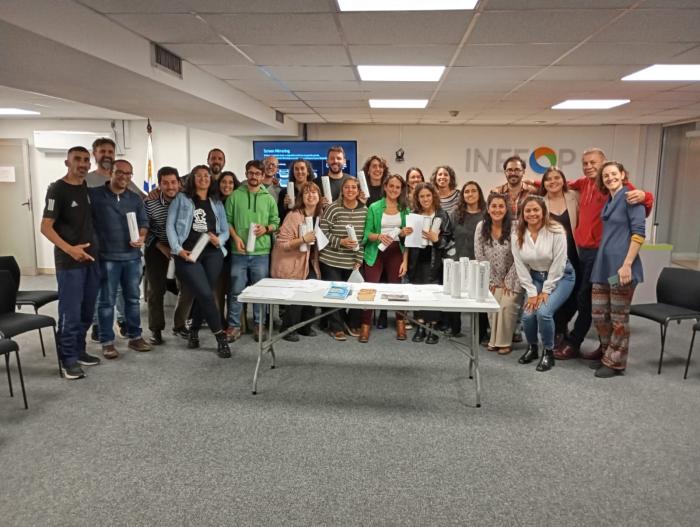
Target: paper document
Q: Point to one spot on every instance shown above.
(415, 239)
(321, 238)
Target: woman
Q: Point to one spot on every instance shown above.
(343, 255)
(445, 182)
(493, 241)
(464, 218)
(227, 184)
(290, 261)
(424, 265)
(539, 252)
(195, 212)
(414, 175)
(562, 204)
(383, 217)
(617, 269)
(300, 171)
(376, 171)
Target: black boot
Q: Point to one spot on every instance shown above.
(419, 336)
(547, 361)
(531, 354)
(193, 339)
(222, 349)
(432, 337)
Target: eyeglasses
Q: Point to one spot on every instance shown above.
(122, 173)
(514, 171)
(253, 173)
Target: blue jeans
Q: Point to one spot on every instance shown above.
(245, 270)
(543, 318)
(77, 291)
(128, 275)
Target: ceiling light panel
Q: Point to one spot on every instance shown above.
(406, 5)
(17, 111)
(666, 72)
(401, 73)
(589, 104)
(398, 103)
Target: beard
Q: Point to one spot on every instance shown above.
(106, 163)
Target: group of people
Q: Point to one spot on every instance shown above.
(556, 250)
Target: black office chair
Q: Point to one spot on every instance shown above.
(7, 346)
(34, 298)
(677, 298)
(12, 323)
(696, 328)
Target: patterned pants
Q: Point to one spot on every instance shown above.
(611, 317)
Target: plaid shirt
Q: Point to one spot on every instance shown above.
(514, 200)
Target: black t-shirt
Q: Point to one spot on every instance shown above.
(203, 220)
(69, 206)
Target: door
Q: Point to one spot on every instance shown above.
(17, 234)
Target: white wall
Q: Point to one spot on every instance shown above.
(174, 145)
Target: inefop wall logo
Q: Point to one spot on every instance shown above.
(540, 154)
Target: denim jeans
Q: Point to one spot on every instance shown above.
(128, 275)
(77, 291)
(245, 270)
(201, 277)
(543, 318)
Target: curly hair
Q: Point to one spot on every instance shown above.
(487, 223)
(461, 211)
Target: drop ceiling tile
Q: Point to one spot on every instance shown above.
(380, 55)
(479, 75)
(254, 85)
(518, 5)
(654, 25)
(691, 56)
(236, 72)
(139, 6)
(201, 54)
(396, 28)
(321, 85)
(297, 55)
(312, 73)
(306, 118)
(509, 55)
(595, 73)
(542, 26)
(177, 29)
(605, 53)
(284, 29)
(320, 105)
(258, 6)
(311, 96)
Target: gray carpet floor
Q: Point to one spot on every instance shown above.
(351, 434)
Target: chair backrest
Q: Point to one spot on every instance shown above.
(8, 293)
(8, 263)
(679, 287)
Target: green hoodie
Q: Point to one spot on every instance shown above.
(244, 207)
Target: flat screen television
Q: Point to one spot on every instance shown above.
(313, 151)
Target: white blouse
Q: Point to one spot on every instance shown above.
(546, 254)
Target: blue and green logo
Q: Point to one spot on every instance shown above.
(542, 154)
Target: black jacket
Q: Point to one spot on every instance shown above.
(443, 248)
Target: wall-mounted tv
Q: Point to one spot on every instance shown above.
(314, 151)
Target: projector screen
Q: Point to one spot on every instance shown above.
(313, 151)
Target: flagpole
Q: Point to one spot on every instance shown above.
(148, 180)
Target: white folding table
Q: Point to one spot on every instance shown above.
(271, 291)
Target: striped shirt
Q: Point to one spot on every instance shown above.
(449, 203)
(157, 212)
(335, 218)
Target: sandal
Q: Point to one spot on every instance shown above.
(504, 351)
(491, 348)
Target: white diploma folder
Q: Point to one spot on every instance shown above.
(199, 246)
(133, 226)
(250, 243)
(326, 184)
(415, 239)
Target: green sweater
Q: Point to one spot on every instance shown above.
(243, 208)
(373, 225)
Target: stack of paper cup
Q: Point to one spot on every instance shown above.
(250, 243)
(447, 276)
(455, 281)
(351, 234)
(133, 227)
(464, 274)
(199, 246)
(487, 278)
(472, 278)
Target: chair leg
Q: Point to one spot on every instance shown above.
(58, 355)
(21, 380)
(41, 337)
(7, 370)
(690, 352)
(664, 327)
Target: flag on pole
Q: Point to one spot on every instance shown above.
(149, 180)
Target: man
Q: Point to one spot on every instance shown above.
(336, 162)
(120, 258)
(157, 253)
(249, 204)
(515, 188)
(588, 235)
(270, 180)
(103, 149)
(67, 224)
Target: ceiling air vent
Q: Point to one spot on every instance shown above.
(167, 60)
(279, 116)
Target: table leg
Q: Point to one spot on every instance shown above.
(261, 307)
(475, 354)
(272, 348)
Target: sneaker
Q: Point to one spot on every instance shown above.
(86, 359)
(156, 338)
(121, 329)
(73, 371)
(109, 352)
(353, 332)
(291, 337)
(233, 334)
(139, 345)
(95, 333)
(181, 332)
(338, 335)
(306, 332)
